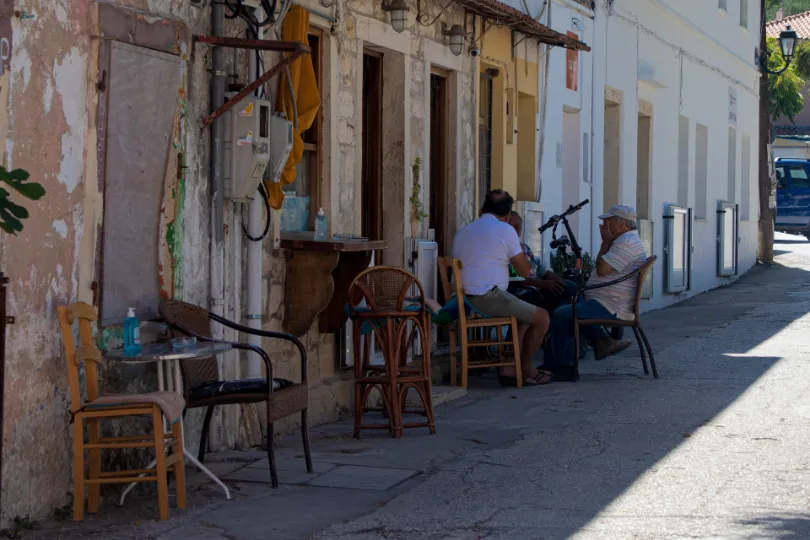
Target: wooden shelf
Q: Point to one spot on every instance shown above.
(317, 281)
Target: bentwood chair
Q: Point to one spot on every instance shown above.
(639, 275)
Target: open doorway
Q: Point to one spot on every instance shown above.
(571, 163)
(643, 165)
(613, 147)
(438, 158)
(485, 133)
(371, 215)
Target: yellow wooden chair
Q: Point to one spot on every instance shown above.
(85, 412)
(459, 332)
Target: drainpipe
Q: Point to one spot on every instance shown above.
(254, 250)
(218, 79)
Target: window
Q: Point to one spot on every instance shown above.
(781, 181)
(744, 13)
(683, 161)
(308, 171)
(798, 177)
(746, 178)
(701, 170)
(722, 4)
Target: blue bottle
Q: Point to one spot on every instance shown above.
(132, 334)
(320, 225)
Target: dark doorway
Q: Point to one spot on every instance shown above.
(438, 159)
(371, 175)
(485, 134)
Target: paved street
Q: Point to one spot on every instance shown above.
(717, 448)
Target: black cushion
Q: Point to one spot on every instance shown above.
(244, 386)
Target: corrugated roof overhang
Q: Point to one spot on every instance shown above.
(518, 21)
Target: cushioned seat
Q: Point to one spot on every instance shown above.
(244, 386)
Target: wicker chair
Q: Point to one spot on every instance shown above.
(395, 310)
(641, 338)
(202, 387)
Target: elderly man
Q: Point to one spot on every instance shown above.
(621, 253)
(543, 288)
(486, 247)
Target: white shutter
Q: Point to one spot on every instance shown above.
(727, 217)
(678, 237)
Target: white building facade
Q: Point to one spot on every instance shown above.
(661, 115)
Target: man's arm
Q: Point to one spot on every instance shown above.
(521, 265)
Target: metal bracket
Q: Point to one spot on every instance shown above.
(293, 48)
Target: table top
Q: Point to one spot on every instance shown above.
(163, 351)
(305, 241)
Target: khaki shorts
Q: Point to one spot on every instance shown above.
(499, 303)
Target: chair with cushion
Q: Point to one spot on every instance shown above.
(202, 387)
(640, 274)
(91, 411)
(466, 331)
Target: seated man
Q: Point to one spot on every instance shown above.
(621, 253)
(485, 248)
(544, 288)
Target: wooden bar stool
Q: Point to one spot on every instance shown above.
(388, 304)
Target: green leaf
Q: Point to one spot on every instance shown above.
(19, 174)
(17, 210)
(7, 228)
(10, 220)
(30, 190)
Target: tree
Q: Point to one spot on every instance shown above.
(11, 215)
(792, 7)
(785, 97)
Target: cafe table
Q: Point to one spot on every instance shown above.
(167, 357)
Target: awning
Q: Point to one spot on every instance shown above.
(518, 21)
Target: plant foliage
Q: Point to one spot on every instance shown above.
(11, 214)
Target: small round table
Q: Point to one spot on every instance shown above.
(169, 378)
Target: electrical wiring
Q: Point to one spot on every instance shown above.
(266, 197)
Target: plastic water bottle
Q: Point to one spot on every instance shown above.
(132, 334)
(320, 225)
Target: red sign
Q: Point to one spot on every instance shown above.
(572, 66)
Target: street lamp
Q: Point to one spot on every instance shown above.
(788, 39)
(456, 34)
(399, 13)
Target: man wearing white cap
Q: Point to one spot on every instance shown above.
(621, 253)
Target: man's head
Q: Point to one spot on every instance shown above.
(620, 219)
(498, 203)
(516, 221)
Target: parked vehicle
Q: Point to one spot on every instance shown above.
(792, 196)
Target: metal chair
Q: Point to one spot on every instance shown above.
(202, 387)
(640, 274)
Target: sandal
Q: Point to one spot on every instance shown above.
(542, 377)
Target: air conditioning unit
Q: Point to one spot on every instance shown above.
(422, 260)
(532, 214)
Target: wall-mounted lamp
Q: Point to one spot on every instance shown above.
(326, 3)
(788, 39)
(576, 24)
(456, 34)
(399, 13)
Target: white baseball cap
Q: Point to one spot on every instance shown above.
(620, 211)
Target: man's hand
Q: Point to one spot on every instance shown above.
(551, 276)
(551, 286)
(607, 234)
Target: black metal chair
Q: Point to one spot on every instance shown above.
(641, 338)
(202, 387)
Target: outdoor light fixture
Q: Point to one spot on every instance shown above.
(326, 3)
(788, 39)
(399, 13)
(457, 35)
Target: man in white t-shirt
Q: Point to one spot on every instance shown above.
(622, 252)
(485, 248)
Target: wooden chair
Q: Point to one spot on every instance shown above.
(202, 387)
(640, 274)
(380, 297)
(460, 331)
(87, 412)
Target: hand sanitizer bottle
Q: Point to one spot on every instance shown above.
(132, 334)
(320, 225)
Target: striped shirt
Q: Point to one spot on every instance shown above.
(625, 255)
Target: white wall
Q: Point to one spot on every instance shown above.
(641, 41)
(681, 56)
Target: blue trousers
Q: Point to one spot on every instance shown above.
(560, 348)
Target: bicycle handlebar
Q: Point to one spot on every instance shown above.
(553, 220)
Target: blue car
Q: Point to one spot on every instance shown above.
(793, 196)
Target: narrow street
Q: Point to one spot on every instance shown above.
(716, 448)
